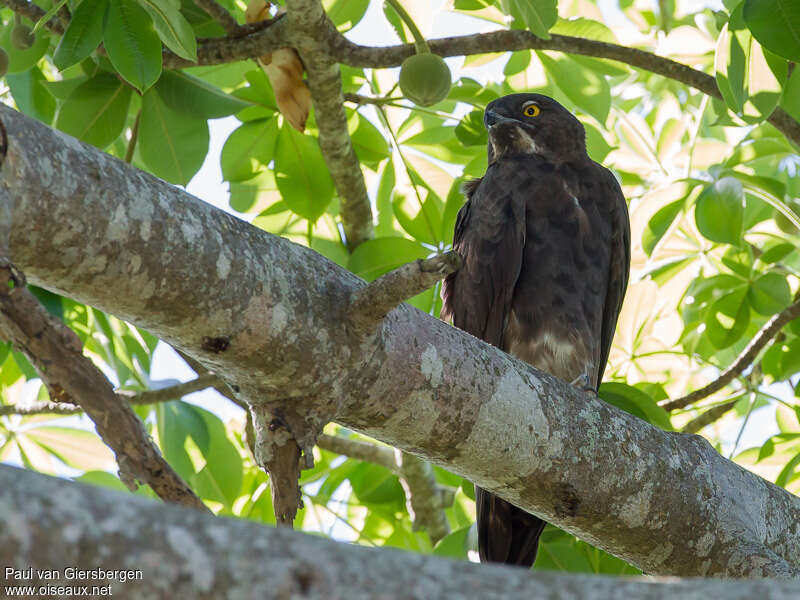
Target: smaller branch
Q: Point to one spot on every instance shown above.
(166, 394)
(56, 352)
(219, 385)
(308, 22)
(425, 498)
(710, 416)
(363, 451)
(748, 355)
(371, 303)
(362, 100)
(34, 13)
(219, 14)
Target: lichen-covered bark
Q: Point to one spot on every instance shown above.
(46, 523)
(325, 82)
(268, 316)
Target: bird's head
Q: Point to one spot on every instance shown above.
(533, 124)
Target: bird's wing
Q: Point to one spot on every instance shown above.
(619, 268)
(489, 236)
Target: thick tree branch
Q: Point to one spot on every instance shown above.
(372, 303)
(307, 19)
(744, 360)
(144, 397)
(273, 325)
(49, 523)
(347, 52)
(55, 351)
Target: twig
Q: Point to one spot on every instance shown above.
(56, 352)
(425, 498)
(710, 416)
(166, 394)
(361, 100)
(219, 385)
(371, 303)
(748, 355)
(34, 13)
(364, 451)
(219, 14)
(325, 83)
(134, 138)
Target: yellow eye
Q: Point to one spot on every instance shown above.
(531, 111)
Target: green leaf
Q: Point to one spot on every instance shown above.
(345, 14)
(84, 33)
(587, 89)
(635, 402)
(248, 149)
(776, 25)
(172, 144)
(424, 222)
(539, 15)
(76, 448)
(749, 78)
(730, 61)
(45, 18)
(728, 318)
(30, 94)
(790, 102)
(370, 146)
(132, 44)
(175, 421)
(375, 257)
(22, 60)
(96, 111)
(453, 544)
(769, 294)
(302, 176)
(658, 225)
(719, 211)
(220, 478)
(173, 29)
(193, 96)
(470, 130)
(383, 202)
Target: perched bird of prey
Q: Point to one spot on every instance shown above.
(545, 240)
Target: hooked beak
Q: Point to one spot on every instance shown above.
(492, 118)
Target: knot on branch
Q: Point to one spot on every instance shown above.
(283, 446)
(370, 304)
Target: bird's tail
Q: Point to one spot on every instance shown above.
(506, 534)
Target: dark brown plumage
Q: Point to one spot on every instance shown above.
(545, 239)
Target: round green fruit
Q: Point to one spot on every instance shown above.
(784, 224)
(3, 62)
(425, 79)
(22, 37)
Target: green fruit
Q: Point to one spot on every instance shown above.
(22, 37)
(784, 224)
(425, 79)
(3, 62)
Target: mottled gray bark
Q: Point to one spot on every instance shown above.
(308, 19)
(46, 523)
(269, 316)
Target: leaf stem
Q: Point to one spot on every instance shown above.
(419, 41)
(134, 137)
